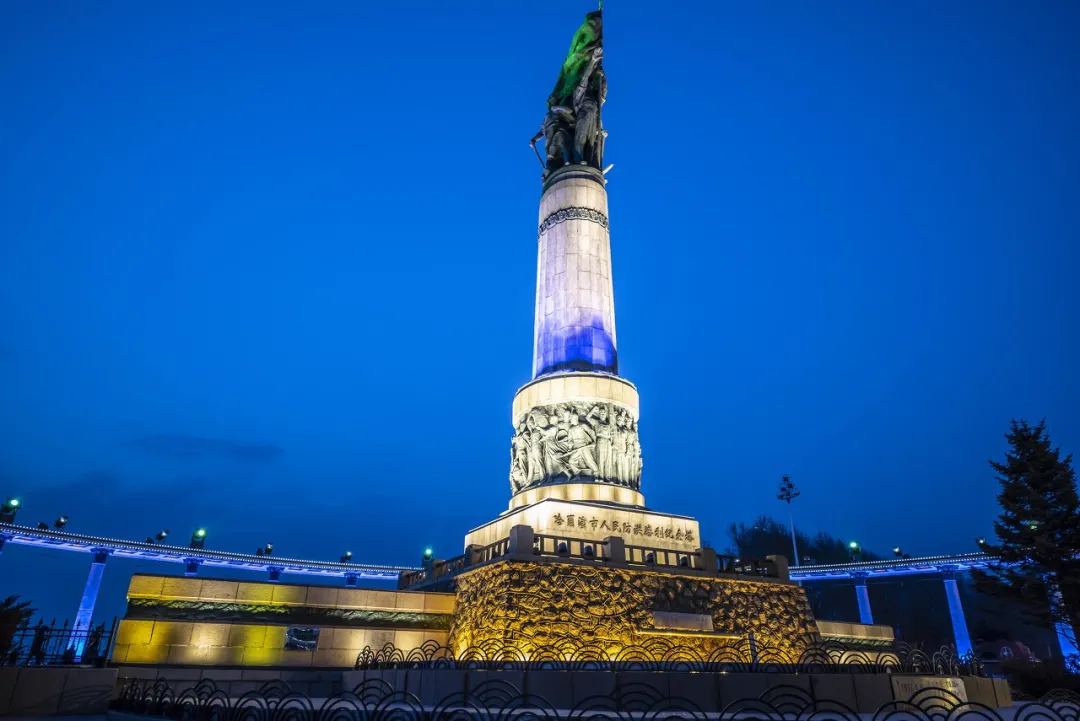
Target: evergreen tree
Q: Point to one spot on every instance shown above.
(1038, 531)
(14, 614)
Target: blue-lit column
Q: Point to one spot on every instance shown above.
(3, 540)
(956, 613)
(865, 615)
(1065, 633)
(81, 629)
(1065, 636)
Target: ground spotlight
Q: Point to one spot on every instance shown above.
(9, 509)
(60, 522)
(162, 534)
(149, 541)
(198, 538)
(267, 550)
(898, 552)
(346, 557)
(42, 526)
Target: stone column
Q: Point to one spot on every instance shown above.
(865, 614)
(956, 613)
(85, 616)
(575, 308)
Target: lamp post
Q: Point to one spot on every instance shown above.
(787, 492)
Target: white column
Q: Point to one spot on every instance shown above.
(575, 306)
(956, 613)
(81, 629)
(865, 614)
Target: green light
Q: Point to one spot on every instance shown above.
(428, 552)
(200, 532)
(853, 545)
(14, 502)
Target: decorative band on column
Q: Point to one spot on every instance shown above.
(572, 213)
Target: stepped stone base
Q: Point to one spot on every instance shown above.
(536, 609)
(594, 521)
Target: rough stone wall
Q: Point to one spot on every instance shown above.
(529, 608)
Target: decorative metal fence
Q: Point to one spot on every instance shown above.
(744, 656)
(498, 700)
(41, 645)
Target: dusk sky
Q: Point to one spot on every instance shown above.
(268, 267)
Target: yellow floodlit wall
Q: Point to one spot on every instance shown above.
(263, 644)
(532, 610)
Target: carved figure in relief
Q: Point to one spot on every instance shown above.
(634, 454)
(519, 473)
(582, 440)
(622, 449)
(575, 441)
(552, 440)
(534, 448)
(600, 420)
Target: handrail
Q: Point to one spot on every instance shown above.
(609, 552)
(570, 547)
(65, 540)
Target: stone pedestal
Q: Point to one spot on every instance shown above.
(534, 610)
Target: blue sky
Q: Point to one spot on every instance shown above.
(268, 267)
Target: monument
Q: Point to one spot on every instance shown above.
(579, 565)
(578, 568)
(576, 463)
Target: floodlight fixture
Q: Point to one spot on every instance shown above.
(9, 509)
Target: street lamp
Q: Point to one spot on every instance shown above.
(9, 509)
(198, 538)
(853, 547)
(787, 492)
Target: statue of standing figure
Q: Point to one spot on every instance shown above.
(574, 105)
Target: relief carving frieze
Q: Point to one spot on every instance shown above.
(576, 442)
